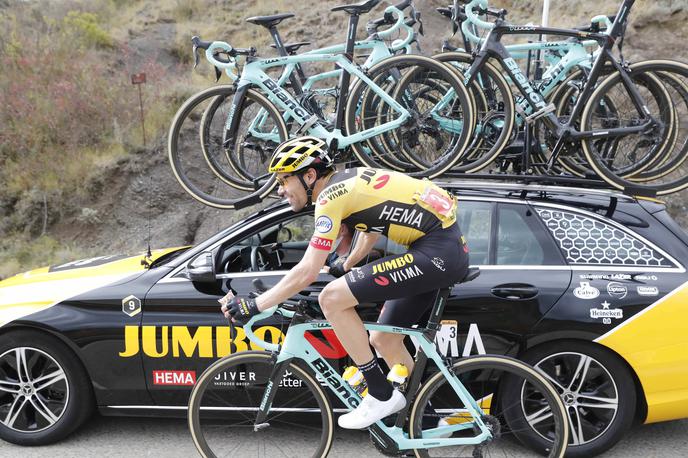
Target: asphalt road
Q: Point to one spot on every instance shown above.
(126, 437)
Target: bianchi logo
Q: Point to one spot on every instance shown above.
(585, 291)
(606, 313)
(617, 290)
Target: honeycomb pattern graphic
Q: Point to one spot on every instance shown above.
(588, 241)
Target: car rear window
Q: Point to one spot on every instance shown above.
(587, 240)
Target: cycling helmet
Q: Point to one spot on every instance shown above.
(300, 153)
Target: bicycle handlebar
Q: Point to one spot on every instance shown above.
(296, 301)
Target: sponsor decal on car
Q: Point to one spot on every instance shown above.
(585, 291)
(186, 342)
(606, 313)
(617, 290)
(321, 243)
(174, 378)
(643, 277)
(611, 277)
(323, 224)
(648, 290)
(248, 377)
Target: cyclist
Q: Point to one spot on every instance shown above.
(412, 212)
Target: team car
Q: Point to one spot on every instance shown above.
(588, 285)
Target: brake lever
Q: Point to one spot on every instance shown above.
(195, 53)
(218, 74)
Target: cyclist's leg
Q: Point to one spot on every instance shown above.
(403, 312)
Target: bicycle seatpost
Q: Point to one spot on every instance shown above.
(346, 77)
(282, 51)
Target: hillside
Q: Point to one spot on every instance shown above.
(77, 179)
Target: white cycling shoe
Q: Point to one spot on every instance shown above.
(371, 410)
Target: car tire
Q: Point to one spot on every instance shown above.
(605, 377)
(51, 396)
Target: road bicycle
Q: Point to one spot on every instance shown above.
(318, 92)
(274, 402)
(626, 119)
(414, 102)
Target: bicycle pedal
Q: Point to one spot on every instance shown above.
(540, 113)
(307, 125)
(260, 427)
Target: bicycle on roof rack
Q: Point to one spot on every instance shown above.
(627, 124)
(412, 103)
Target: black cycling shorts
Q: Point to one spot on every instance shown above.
(408, 282)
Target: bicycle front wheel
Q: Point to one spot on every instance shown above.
(519, 406)
(226, 399)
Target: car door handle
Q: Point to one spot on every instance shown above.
(515, 291)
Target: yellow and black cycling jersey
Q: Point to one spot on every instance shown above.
(372, 200)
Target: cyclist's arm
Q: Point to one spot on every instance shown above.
(364, 243)
(299, 277)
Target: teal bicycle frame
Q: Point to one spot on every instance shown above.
(296, 346)
(254, 75)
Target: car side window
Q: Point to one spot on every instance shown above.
(521, 239)
(591, 241)
(475, 221)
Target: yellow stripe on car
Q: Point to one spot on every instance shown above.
(39, 289)
(655, 343)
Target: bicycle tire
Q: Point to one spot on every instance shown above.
(677, 85)
(460, 105)
(209, 181)
(483, 380)
(496, 112)
(608, 174)
(230, 381)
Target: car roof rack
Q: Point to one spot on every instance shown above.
(590, 185)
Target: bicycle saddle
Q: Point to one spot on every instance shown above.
(293, 47)
(269, 21)
(357, 8)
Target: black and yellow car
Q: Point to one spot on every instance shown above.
(587, 285)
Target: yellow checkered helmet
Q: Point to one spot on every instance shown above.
(299, 154)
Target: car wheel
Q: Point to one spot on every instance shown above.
(45, 393)
(597, 390)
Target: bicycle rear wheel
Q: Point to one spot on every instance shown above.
(226, 398)
(208, 175)
(441, 120)
(618, 161)
(519, 407)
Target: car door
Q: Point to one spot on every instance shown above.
(182, 330)
(523, 275)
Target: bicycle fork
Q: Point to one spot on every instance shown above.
(276, 376)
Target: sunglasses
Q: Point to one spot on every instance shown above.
(282, 181)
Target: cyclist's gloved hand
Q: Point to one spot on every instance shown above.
(337, 267)
(240, 309)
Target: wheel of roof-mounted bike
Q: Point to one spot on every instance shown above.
(204, 172)
(517, 403)
(257, 135)
(495, 113)
(442, 130)
(372, 110)
(672, 164)
(226, 398)
(564, 96)
(607, 156)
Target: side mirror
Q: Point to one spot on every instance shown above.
(201, 269)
